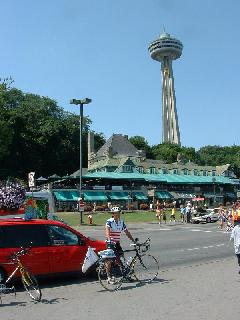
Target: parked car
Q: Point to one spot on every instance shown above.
(56, 248)
(211, 215)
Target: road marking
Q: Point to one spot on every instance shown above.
(199, 230)
(160, 229)
(206, 247)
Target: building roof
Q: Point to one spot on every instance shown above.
(163, 178)
(117, 145)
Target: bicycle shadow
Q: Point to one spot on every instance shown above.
(13, 304)
(52, 301)
(60, 281)
(136, 284)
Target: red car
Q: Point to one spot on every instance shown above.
(55, 247)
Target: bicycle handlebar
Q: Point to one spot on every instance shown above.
(145, 244)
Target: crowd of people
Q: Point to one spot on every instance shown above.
(228, 215)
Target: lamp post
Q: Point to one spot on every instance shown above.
(80, 103)
(214, 189)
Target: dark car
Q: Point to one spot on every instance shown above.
(55, 247)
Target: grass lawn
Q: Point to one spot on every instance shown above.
(99, 218)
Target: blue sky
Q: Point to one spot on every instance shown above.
(68, 49)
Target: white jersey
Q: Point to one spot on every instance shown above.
(235, 235)
(116, 229)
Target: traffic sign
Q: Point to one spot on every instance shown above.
(31, 179)
(81, 205)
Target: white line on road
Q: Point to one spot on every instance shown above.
(206, 247)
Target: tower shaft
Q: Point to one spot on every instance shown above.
(165, 49)
(170, 128)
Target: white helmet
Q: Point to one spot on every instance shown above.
(115, 209)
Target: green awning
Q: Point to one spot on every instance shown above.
(94, 196)
(140, 196)
(118, 195)
(66, 195)
(163, 195)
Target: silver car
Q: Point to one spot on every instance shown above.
(211, 215)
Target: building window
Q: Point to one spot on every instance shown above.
(204, 173)
(140, 169)
(164, 170)
(152, 170)
(195, 172)
(185, 171)
(213, 173)
(127, 168)
(175, 171)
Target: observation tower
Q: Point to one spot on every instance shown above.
(166, 49)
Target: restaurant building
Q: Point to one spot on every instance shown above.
(118, 173)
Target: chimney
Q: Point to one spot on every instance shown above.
(90, 147)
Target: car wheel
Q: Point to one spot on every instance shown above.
(208, 219)
(3, 275)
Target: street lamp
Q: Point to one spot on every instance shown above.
(80, 103)
(214, 190)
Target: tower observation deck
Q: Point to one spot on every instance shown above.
(164, 50)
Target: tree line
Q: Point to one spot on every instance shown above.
(38, 135)
(205, 156)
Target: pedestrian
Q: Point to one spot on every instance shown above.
(188, 211)
(158, 212)
(173, 214)
(183, 213)
(222, 217)
(235, 236)
(164, 216)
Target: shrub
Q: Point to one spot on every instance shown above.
(100, 208)
(88, 208)
(144, 206)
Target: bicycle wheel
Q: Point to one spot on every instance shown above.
(145, 268)
(31, 285)
(112, 280)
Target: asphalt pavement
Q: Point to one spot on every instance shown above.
(202, 291)
(203, 284)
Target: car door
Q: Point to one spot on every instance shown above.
(67, 249)
(29, 235)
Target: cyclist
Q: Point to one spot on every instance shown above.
(114, 227)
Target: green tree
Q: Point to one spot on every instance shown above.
(5, 139)
(141, 144)
(166, 152)
(41, 136)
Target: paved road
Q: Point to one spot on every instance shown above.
(203, 284)
(178, 244)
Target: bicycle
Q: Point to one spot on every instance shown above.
(112, 270)
(29, 281)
